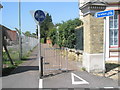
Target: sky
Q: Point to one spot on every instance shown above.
(60, 11)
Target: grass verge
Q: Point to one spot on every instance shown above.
(7, 67)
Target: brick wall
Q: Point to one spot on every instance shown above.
(93, 34)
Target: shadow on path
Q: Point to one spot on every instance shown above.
(21, 69)
(28, 59)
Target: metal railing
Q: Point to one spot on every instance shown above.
(55, 60)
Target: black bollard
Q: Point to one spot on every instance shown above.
(41, 76)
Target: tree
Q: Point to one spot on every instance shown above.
(46, 25)
(33, 35)
(52, 35)
(66, 30)
(27, 33)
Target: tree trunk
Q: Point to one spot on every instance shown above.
(45, 39)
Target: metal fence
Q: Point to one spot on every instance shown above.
(55, 59)
(28, 43)
(11, 47)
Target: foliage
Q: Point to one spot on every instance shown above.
(27, 33)
(79, 38)
(42, 40)
(8, 67)
(65, 36)
(33, 35)
(14, 54)
(52, 35)
(46, 25)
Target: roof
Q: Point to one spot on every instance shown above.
(1, 6)
(99, 1)
(10, 34)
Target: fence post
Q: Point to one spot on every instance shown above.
(67, 59)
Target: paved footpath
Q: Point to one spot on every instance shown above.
(25, 76)
(64, 79)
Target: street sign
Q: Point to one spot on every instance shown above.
(39, 15)
(104, 14)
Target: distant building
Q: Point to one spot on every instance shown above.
(100, 33)
(10, 36)
(1, 6)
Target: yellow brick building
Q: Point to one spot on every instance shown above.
(101, 35)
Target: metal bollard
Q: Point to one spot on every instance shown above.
(41, 75)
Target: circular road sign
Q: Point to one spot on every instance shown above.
(39, 15)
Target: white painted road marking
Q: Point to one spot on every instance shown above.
(77, 82)
(108, 87)
(40, 83)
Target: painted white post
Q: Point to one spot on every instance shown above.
(39, 46)
(104, 47)
(107, 38)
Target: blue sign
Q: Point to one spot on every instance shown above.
(104, 14)
(39, 15)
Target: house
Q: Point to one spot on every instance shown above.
(10, 36)
(1, 6)
(101, 35)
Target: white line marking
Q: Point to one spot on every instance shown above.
(108, 87)
(40, 83)
(77, 82)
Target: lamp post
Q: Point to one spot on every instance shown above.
(1, 46)
(1, 49)
(20, 39)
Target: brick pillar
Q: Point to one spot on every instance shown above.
(93, 37)
(93, 34)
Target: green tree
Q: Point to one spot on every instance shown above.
(46, 25)
(33, 35)
(27, 33)
(66, 36)
(52, 35)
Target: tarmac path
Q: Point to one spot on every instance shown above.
(27, 74)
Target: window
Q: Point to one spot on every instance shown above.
(113, 27)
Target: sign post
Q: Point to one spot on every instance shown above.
(100, 15)
(39, 16)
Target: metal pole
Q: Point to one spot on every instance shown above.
(66, 59)
(20, 41)
(1, 49)
(1, 45)
(40, 58)
(104, 47)
(39, 47)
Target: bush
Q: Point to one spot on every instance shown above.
(65, 36)
(42, 40)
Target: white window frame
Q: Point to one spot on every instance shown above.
(113, 45)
